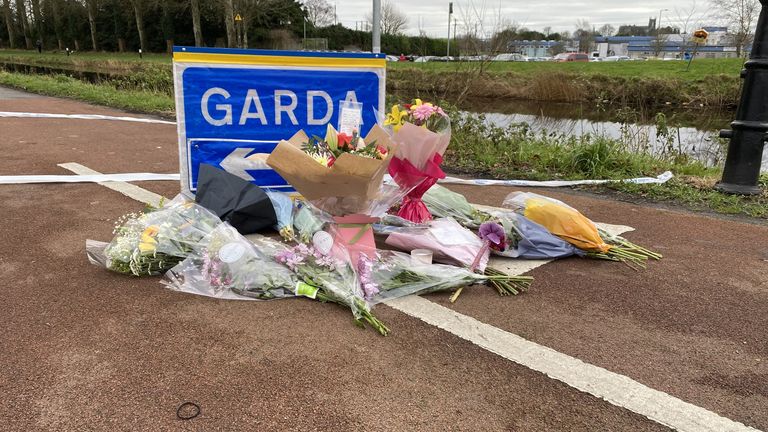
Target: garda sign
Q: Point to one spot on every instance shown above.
(233, 106)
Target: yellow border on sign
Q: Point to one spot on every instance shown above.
(339, 62)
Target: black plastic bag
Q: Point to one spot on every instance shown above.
(244, 205)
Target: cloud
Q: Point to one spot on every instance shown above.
(560, 15)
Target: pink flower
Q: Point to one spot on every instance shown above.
(423, 112)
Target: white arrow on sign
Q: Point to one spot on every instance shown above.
(238, 162)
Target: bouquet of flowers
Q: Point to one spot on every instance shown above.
(575, 228)
(337, 280)
(151, 242)
(228, 266)
(283, 206)
(509, 234)
(451, 243)
(306, 223)
(339, 174)
(342, 176)
(512, 235)
(443, 202)
(393, 275)
(326, 151)
(422, 132)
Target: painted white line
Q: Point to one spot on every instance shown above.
(127, 189)
(13, 114)
(614, 388)
(661, 178)
(126, 177)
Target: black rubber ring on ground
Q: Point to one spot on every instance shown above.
(189, 417)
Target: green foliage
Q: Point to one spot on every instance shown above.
(64, 86)
(515, 151)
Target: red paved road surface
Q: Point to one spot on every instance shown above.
(86, 349)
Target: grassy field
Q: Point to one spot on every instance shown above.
(700, 68)
(646, 84)
(51, 57)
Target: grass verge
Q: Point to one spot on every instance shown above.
(515, 152)
(141, 101)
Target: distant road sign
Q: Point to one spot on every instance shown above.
(233, 106)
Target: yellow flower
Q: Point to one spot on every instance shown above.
(396, 118)
(148, 242)
(321, 159)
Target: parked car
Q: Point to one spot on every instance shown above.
(572, 57)
(616, 58)
(510, 57)
(391, 58)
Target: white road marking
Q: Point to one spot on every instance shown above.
(125, 177)
(614, 388)
(127, 189)
(15, 114)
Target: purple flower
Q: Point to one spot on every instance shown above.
(494, 234)
(365, 270)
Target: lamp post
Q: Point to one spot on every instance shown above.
(450, 12)
(749, 131)
(658, 23)
(660, 43)
(376, 30)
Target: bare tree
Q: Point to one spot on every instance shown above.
(319, 12)
(393, 20)
(196, 28)
(38, 18)
(607, 30)
(21, 12)
(584, 34)
(688, 18)
(659, 43)
(9, 23)
(55, 8)
(229, 22)
(740, 16)
(139, 7)
(91, 6)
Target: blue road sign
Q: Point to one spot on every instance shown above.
(234, 106)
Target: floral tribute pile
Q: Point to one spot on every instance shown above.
(328, 252)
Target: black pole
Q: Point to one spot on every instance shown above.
(750, 129)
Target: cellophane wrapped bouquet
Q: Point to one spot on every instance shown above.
(422, 132)
(227, 265)
(573, 227)
(342, 176)
(153, 241)
(508, 234)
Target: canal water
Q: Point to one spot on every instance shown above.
(691, 131)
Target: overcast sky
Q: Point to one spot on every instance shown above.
(558, 14)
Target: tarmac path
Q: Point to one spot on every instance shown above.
(82, 348)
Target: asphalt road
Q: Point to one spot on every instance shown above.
(85, 349)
